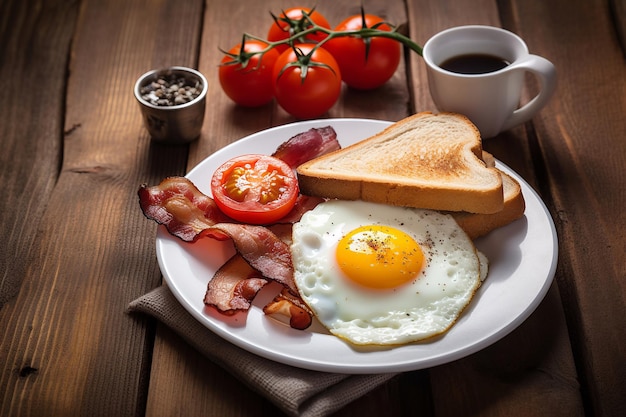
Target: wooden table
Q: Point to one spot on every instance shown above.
(76, 249)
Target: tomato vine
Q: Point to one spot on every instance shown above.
(299, 29)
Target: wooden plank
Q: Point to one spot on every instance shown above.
(580, 139)
(95, 251)
(32, 81)
(32, 77)
(175, 372)
(482, 384)
(618, 14)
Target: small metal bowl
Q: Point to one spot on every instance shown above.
(172, 111)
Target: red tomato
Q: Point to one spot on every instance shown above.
(249, 83)
(255, 189)
(283, 30)
(312, 95)
(382, 60)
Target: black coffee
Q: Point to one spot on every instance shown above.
(474, 64)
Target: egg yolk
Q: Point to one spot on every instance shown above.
(379, 257)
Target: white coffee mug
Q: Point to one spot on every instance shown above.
(489, 99)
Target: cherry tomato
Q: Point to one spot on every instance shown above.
(312, 95)
(358, 71)
(255, 189)
(283, 30)
(249, 83)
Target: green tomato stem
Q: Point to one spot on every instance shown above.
(332, 34)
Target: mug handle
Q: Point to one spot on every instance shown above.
(546, 73)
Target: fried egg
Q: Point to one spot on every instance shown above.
(383, 275)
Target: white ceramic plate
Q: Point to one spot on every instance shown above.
(522, 258)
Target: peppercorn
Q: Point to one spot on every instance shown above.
(171, 90)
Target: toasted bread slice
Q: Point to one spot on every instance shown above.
(426, 160)
(477, 225)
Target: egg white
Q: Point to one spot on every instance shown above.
(425, 307)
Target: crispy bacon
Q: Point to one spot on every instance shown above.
(262, 254)
(307, 145)
(237, 282)
(262, 249)
(291, 306)
(282, 231)
(178, 204)
(187, 213)
(234, 286)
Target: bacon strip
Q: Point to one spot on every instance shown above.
(307, 145)
(262, 249)
(291, 306)
(237, 282)
(282, 231)
(187, 213)
(263, 254)
(178, 204)
(234, 286)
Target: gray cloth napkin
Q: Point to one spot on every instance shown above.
(298, 392)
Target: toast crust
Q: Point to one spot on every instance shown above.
(427, 160)
(477, 225)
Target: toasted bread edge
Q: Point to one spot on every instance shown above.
(327, 184)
